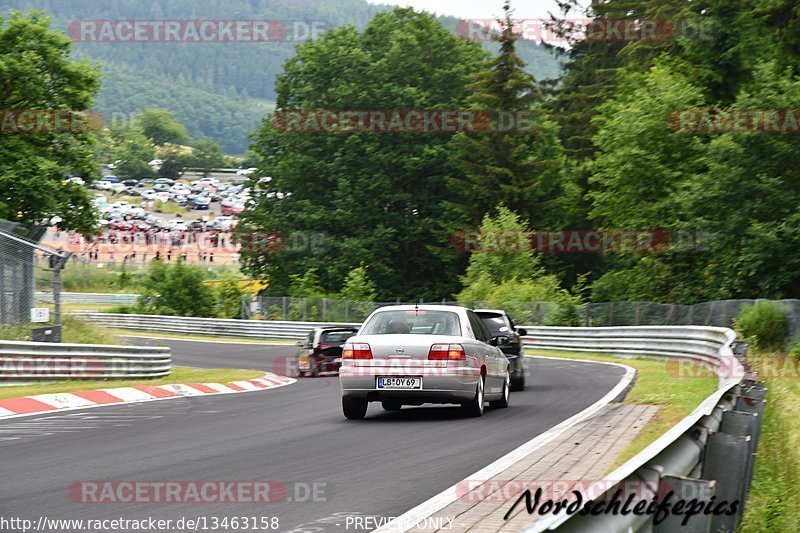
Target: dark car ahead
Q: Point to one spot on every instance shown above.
(321, 350)
(501, 326)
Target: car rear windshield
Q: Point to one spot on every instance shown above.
(495, 322)
(417, 322)
(331, 337)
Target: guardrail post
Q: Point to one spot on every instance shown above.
(750, 405)
(685, 488)
(283, 308)
(637, 312)
(726, 461)
(744, 425)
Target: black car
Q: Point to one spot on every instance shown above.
(501, 326)
(321, 350)
(130, 183)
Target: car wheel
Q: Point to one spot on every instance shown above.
(313, 368)
(518, 384)
(354, 408)
(391, 405)
(474, 407)
(503, 402)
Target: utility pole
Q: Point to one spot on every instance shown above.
(57, 263)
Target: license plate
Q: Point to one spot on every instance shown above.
(399, 383)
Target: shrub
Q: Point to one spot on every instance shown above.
(763, 325)
(176, 290)
(795, 351)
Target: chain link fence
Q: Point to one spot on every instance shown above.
(716, 313)
(17, 267)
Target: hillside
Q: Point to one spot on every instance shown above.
(217, 89)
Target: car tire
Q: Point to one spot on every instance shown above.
(354, 408)
(518, 384)
(503, 402)
(391, 405)
(313, 368)
(474, 407)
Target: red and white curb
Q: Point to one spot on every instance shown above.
(65, 401)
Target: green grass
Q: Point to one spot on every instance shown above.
(73, 330)
(774, 502)
(655, 384)
(169, 208)
(178, 375)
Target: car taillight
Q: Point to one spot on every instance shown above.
(448, 352)
(356, 350)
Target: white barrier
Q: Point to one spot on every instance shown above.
(44, 360)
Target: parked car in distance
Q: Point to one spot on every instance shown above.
(509, 341)
(201, 202)
(321, 351)
(415, 354)
(76, 180)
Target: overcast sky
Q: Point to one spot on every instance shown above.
(479, 9)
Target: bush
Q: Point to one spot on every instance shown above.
(763, 326)
(176, 290)
(795, 351)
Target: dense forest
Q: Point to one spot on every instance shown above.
(218, 90)
(606, 153)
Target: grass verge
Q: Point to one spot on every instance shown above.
(73, 330)
(774, 502)
(178, 375)
(675, 396)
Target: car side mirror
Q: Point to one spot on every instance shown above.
(522, 332)
(500, 340)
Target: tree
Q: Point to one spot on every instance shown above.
(229, 296)
(519, 168)
(358, 287)
(360, 196)
(207, 155)
(508, 277)
(176, 290)
(131, 151)
(38, 74)
(160, 126)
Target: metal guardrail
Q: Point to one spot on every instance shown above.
(44, 360)
(716, 443)
(89, 298)
(264, 329)
(709, 453)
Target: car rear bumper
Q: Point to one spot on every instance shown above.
(439, 385)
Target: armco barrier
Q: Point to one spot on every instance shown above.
(89, 298)
(43, 360)
(709, 453)
(263, 329)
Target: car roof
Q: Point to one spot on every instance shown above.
(422, 307)
(498, 311)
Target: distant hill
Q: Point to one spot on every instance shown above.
(218, 90)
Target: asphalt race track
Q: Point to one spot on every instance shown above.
(295, 435)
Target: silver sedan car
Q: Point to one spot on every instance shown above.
(410, 355)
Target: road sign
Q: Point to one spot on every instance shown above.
(40, 314)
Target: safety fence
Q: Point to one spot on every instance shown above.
(42, 361)
(708, 456)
